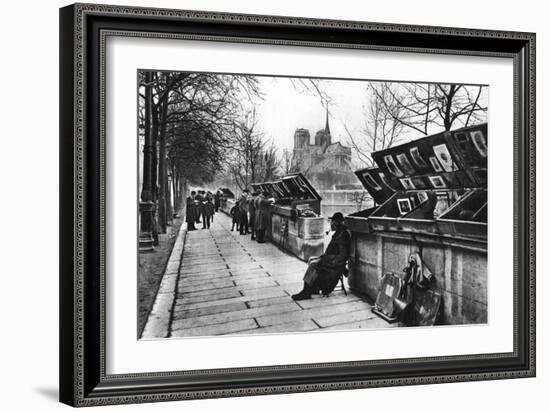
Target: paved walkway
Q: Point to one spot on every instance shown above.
(229, 284)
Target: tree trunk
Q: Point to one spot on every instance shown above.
(447, 122)
(162, 171)
(177, 190)
(154, 128)
(176, 185)
(146, 205)
(155, 136)
(146, 189)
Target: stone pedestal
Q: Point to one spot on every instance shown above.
(146, 226)
(303, 237)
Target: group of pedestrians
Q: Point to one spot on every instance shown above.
(250, 215)
(201, 205)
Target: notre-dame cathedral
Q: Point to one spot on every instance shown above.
(325, 164)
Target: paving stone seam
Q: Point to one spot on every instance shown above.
(171, 320)
(155, 319)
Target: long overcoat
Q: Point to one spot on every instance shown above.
(333, 262)
(252, 211)
(262, 213)
(242, 205)
(207, 208)
(190, 210)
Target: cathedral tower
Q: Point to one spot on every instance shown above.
(301, 138)
(322, 137)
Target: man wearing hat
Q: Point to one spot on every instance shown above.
(324, 272)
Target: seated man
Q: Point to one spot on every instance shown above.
(324, 272)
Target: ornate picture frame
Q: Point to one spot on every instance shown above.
(84, 29)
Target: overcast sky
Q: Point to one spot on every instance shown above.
(284, 109)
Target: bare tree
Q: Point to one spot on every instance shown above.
(313, 87)
(286, 161)
(253, 159)
(424, 107)
(246, 154)
(383, 123)
(269, 169)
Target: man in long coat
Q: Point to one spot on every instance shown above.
(262, 217)
(198, 202)
(243, 213)
(252, 214)
(207, 211)
(217, 200)
(324, 272)
(190, 211)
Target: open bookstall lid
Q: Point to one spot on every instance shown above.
(291, 186)
(227, 192)
(455, 159)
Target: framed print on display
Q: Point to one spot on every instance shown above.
(404, 163)
(437, 182)
(404, 205)
(213, 202)
(435, 164)
(479, 143)
(444, 157)
(407, 183)
(371, 181)
(390, 164)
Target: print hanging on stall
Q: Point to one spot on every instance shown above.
(417, 158)
(405, 164)
(407, 184)
(479, 142)
(371, 181)
(442, 153)
(390, 164)
(435, 164)
(404, 205)
(437, 182)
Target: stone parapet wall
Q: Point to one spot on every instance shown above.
(460, 271)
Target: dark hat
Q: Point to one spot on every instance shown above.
(337, 217)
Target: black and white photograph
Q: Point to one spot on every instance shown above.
(392, 167)
(407, 183)
(442, 153)
(435, 164)
(251, 205)
(371, 181)
(417, 158)
(258, 204)
(404, 205)
(405, 164)
(437, 181)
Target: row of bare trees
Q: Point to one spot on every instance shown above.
(196, 127)
(188, 122)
